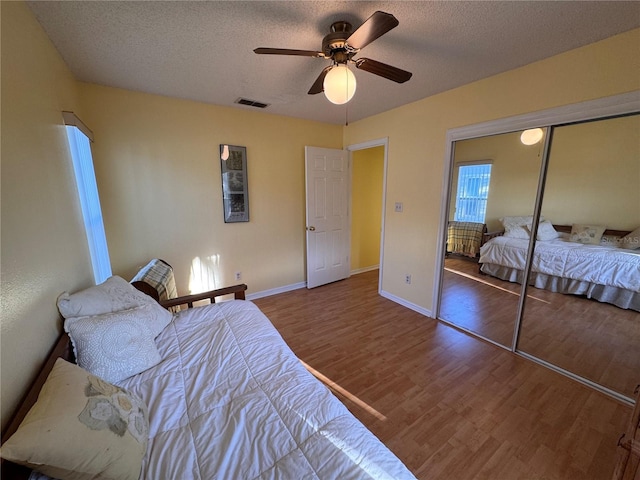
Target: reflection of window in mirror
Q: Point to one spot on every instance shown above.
(472, 192)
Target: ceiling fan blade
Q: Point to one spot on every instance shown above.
(373, 27)
(382, 69)
(318, 85)
(287, 51)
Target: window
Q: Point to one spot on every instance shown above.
(79, 144)
(472, 193)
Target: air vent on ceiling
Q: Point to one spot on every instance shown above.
(251, 103)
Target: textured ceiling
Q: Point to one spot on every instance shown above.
(203, 51)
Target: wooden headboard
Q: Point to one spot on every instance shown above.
(63, 349)
(559, 228)
(612, 233)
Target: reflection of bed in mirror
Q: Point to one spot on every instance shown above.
(603, 272)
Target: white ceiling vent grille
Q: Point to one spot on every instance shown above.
(251, 103)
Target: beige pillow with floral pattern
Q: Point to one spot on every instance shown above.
(80, 428)
(587, 234)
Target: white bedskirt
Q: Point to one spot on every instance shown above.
(619, 297)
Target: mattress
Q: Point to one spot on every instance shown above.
(230, 400)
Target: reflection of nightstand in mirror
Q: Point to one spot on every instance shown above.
(628, 460)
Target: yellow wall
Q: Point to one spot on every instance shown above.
(594, 174)
(158, 170)
(159, 179)
(515, 171)
(366, 207)
(417, 135)
(44, 248)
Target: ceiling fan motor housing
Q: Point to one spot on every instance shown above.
(333, 44)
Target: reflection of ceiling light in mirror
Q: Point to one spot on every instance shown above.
(531, 136)
(339, 84)
(225, 152)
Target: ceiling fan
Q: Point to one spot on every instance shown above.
(340, 46)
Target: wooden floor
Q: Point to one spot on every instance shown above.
(448, 405)
(597, 341)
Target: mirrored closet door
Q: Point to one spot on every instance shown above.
(593, 180)
(554, 275)
(492, 177)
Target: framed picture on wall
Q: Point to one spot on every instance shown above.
(235, 190)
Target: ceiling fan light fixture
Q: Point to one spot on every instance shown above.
(339, 84)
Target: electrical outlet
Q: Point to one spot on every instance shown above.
(238, 275)
(399, 207)
(407, 279)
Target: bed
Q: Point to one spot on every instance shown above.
(228, 399)
(604, 271)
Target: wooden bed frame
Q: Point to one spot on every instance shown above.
(63, 349)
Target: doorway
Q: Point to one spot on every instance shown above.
(367, 201)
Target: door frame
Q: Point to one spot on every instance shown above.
(381, 142)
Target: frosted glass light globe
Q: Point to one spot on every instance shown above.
(339, 84)
(531, 136)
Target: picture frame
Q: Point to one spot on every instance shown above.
(235, 189)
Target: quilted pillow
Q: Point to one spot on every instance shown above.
(115, 346)
(587, 234)
(631, 240)
(81, 428)
(114, 295)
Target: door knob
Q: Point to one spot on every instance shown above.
(312, 229)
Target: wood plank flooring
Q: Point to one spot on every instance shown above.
(448, 405)
(595, 340)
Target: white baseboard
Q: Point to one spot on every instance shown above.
(275, 291)
(404, 303)
(364, 269)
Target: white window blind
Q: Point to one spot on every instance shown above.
(89, 203)
(472, 192)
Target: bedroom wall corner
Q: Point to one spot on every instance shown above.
(158, 169)
(43, 244)
(417, 134)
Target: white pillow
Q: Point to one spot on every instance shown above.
(630, 241)
(587, 234)
(81, 427)
(516, 227)
(115, 346)
(546, 231)
(114, 295)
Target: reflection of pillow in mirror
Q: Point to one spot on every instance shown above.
(515, 227)
(546, 231)
(630, 241)
(516, 231)
(587, 234)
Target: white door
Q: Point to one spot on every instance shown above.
(327, 180)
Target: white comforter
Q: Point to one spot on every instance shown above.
(561, 258)
(231, 401)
